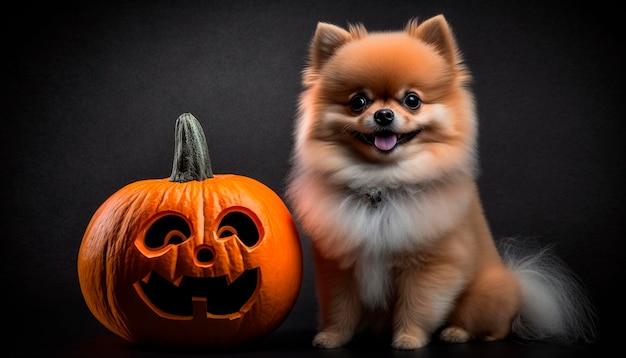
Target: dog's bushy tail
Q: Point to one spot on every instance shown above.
(555, 304)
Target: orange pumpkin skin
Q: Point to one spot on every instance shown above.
(209, 263)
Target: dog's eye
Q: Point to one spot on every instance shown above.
(412, 101)
(358, 103)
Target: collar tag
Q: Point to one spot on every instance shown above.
(374, 196)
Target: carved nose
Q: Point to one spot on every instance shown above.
(383, 117)
(205, 255)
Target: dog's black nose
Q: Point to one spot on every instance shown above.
(383, 117)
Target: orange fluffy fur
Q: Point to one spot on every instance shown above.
(391, 204)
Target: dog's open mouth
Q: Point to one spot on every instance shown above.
(385, 140)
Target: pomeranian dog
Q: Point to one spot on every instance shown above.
(383, 182)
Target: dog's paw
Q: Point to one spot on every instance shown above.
(328, 340)
(455, 335)
(407, 341)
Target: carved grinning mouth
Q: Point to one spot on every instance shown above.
(221, 297)
(385, 140)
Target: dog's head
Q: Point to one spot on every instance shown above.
(386, 107)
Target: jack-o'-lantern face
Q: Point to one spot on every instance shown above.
(223, 295)
(206, 262)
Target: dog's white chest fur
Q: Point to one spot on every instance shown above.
(366, 228)
(381, 221)
(373, 275)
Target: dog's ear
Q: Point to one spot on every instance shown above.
(436, 32)
(328, 38)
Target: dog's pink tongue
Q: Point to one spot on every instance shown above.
(385, 142)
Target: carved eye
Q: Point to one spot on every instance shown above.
(167, 230)
(240, 225)
(359, 102)
(412, 101)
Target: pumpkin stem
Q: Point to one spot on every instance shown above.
(191, 153)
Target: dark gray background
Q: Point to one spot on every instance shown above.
(92, 91)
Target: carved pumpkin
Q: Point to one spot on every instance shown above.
(194, 260)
